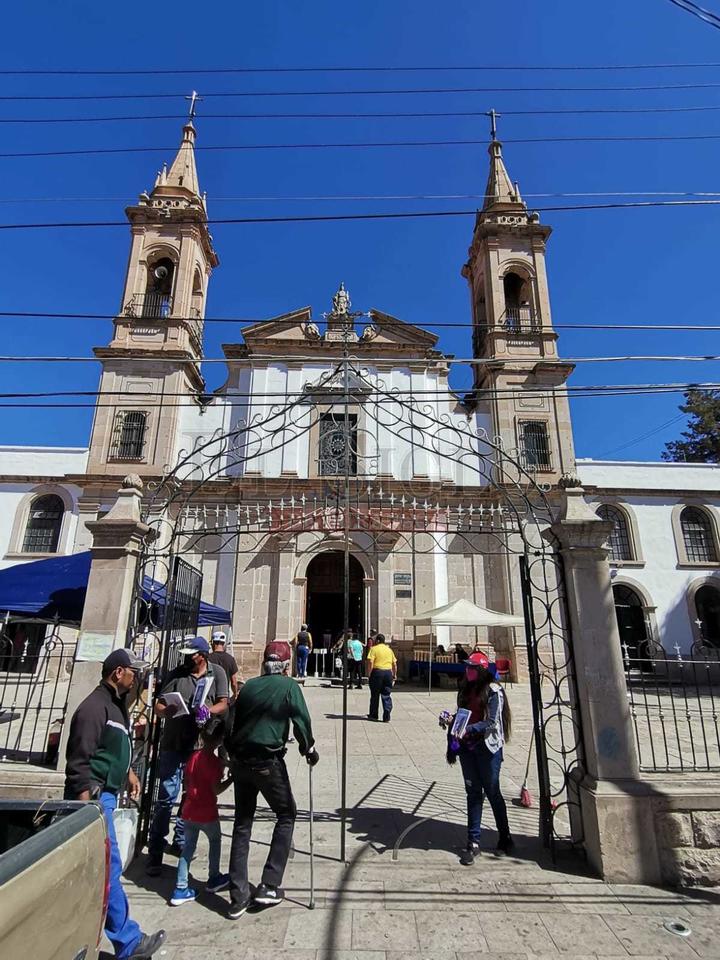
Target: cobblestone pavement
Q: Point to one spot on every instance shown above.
(423, 904)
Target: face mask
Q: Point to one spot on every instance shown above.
(188, 661)
(471, 675)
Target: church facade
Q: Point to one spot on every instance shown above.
(343, 427)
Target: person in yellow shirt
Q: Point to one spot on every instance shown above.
(382, 673)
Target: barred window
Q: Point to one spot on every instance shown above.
(338, 444)
(620, 542)
(534, 445)
(698, 536)
(129, 435)
(42, 532)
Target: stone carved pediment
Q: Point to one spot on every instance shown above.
(391, 330)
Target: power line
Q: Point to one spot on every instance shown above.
(707, 16)
(643, 436)
(364, 144)
(394, 68)
(410, 91)
(26, 314)
(424, 115)
(328, 218)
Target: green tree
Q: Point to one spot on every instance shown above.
(700, 443)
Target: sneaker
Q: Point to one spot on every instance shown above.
(218, 883)
(182, 895)
(505, 846)
(467, 857)
(268, 896)
(147, 945)
(236, 910)
(372, 718)
(386, 719)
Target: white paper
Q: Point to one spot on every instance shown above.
(175, 700)
(201, 691)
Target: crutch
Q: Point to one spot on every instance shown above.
(311, 905)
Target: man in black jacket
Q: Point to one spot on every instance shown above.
(98, 768)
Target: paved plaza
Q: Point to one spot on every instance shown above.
(422, 904)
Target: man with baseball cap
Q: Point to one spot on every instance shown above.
(264, 710)
(204, 690)
(99, 752)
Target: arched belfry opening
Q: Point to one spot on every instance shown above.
(324, 601)
(518, 302)
(157, 301)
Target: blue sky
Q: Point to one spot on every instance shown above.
(628, 266)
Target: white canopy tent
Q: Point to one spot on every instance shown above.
(461, 613)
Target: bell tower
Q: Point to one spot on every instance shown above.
(150, 367)
(520, 377)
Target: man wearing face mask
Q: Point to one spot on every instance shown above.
(180, 731)
(98, 768)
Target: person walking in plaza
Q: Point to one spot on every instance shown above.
(481, 751)
(382, 673)
(200, 692)
(227, 661)
(303, 648)
(98, 757)
(265, 708)
(203, 782)
(354, 661)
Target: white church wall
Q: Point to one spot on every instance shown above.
(650, 492)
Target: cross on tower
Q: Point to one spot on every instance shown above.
(194, 100)
(493, 123)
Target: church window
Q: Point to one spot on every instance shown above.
(157, 301)
(519, 313)
(337, 445)
(42, 531)
(534, 445)
(697, 535)
(619, 540)
(707, 605)
(129, 435)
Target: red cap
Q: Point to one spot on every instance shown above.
(277, 650)
(477, 660)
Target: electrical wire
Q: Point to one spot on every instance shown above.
(400, 324)
(707, 16)
(643, 436)
(381, 361)
(328, 218)
(410, 91)
(565, 111)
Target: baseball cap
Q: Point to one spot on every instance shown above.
(478, 659)
(123, 658)
(195, 645)
(219, 637)
(278, 650)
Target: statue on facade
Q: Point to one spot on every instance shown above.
(341, 301)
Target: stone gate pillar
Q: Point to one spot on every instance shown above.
(613, 799)
(117, 544)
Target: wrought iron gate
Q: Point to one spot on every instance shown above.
(164, 613)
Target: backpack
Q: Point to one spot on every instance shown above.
(303, 638)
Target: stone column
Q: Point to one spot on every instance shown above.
(619, 840)
(117, 543)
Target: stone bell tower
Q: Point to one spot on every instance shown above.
(150, 367)
(521, 377)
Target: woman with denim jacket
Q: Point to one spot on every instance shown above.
(481, 751)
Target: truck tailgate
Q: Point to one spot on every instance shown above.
(52, 890)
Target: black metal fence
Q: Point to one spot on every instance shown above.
(674, 706)
(36, 665)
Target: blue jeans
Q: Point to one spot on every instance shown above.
(481, 770)
(122, 932)
(302, 658)
(192, 832)
(171, 764)
(380, 683)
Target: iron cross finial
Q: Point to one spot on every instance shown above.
(493, 123)
(194, 100)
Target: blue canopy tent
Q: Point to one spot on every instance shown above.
(54, 589)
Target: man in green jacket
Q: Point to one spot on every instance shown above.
(264, 710)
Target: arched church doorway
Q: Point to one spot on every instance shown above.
(707, 604)
(631, 626)
(324, 607)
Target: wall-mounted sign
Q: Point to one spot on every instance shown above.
(95, 646)
(402, 579)
(403, 594)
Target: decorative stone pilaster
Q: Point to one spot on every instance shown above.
(117, 543)
(613, 798)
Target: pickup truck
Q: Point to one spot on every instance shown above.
(54, 874)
